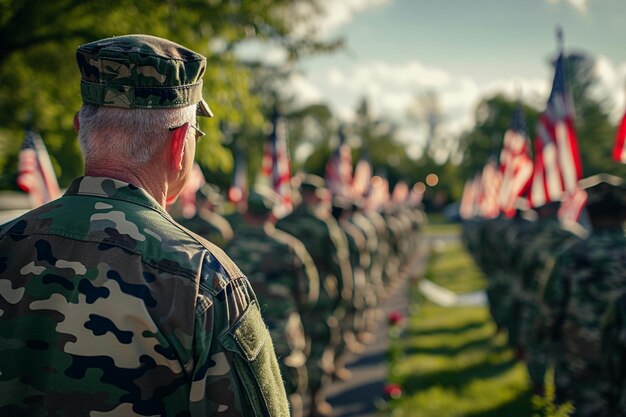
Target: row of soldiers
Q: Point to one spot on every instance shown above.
(555, 288)
(319, 273)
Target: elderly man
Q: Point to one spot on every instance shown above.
(107, 306)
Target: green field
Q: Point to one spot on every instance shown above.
(454, 364)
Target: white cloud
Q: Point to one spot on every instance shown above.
(334, 14)
(256, 50)
(580, 5)
(392, 88)
(302, 90)
(611, 86)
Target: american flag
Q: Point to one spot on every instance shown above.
(239, 187)
(573, 204)
(276, 167)
(362, 177)
(557, 165)
(619, 150)
(490, 182)
(468, 206)
(339, 168)
(35, 173)
(516, 164)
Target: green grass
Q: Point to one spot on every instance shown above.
(441, 228)
(452, 267)
(454, 364)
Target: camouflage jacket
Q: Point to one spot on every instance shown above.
(108, 307)
(328, 247)
(283, 277)
(211, 226)
(586, 278)
(614, 353)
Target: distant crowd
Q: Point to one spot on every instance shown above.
(319, 271)
(558, 290)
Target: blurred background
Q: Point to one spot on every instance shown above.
(419, 86)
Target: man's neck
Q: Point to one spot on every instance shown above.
(152, 182)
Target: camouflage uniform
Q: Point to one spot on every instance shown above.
(328, 248)
(614, 355)
(205, 221)
(286, 283)
(235, 220)
(109, 307)
(373, 264)
(211, 226)
(494, 262)
(587, 277)
(549, 238)
(352, 317)
(383, 258)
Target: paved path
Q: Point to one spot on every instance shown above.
(358, 396)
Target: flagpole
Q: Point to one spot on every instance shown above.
(559, 39)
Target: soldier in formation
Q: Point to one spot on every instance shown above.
(312, 223)
(560, 279)
(320, 274)
(613, 345)
(587, 277)
(286, 283)
(206, 221)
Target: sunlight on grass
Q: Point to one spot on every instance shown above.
(439, 229)
(454, 269)
(454, 363)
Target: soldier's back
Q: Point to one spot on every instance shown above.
(586, 279)
(101, 291)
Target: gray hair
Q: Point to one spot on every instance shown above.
(133, 135)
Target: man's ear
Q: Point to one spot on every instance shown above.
(76, 122)
(177, 146)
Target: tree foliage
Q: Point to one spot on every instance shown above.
(596, 133)
(38, 74)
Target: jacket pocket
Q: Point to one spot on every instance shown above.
(256, 366)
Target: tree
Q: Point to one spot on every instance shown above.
(38, 73)
(426, 111)
(596, 134)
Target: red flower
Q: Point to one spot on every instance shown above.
(394, 318)
(393, 390)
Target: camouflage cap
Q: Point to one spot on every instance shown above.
(603, 190)
(211, 193)
(312, 182)
(262, 199)
(141, 71)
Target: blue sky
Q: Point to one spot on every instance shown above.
(460, 49)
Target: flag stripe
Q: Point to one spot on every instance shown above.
(558, 166)
(276, 167)
(619, 150)
(35, 172)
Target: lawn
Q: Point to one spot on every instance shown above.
(453, 363)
